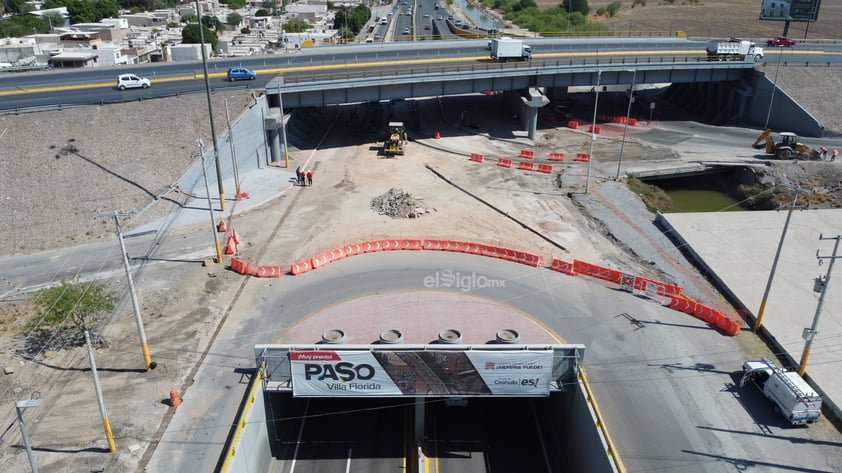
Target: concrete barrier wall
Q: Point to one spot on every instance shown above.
(787, 114)
(576, 423)
(248, 450)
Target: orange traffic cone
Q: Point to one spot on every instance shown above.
(221, 227)
(436, 134)
(235, 236)
(230, 247)
(175, 399)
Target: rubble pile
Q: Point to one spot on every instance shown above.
(398, 204)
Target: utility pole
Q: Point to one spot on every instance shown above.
(821, 284)
(20, 406)
(210, 110)
(593, 131)
(233, 153)
(759, 320)
(210, 204)
(147, 359)
(112, 446)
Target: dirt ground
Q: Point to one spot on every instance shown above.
(52, 188)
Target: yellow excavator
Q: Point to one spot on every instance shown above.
(788, 148)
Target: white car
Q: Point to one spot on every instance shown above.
(131, 81)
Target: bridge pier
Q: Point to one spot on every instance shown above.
(529, 110)
(272, 124)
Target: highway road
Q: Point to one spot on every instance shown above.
(54, 88)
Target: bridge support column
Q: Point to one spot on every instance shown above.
(272, 124)
(419, 421)
(530, 106)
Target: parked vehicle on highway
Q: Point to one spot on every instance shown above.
(131, 81)
(781, 41)
(406, 31)
(240, 73)
(792, 396)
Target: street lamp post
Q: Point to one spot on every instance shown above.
(593, 131)
(774, 87)
(759, 320)
(626, 126)
(19, 407)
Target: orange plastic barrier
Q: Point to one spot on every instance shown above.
(707, 314)
(175, 399)
(353, 249)
(545, 168)
(391, 245)
(600, 272)
(337, 254)
(371, 246)
(528, 259)
(572, 124)
(477, 158)
(664, 289)
(620, 120)
(412, 245)
(268, 271)
(300, 267)
(633, 122)
(526, 166)
(320, 260)
(243, 267)
(556, 156)
(432, 244)
(230, 247)
(594, 129)
(527, 154)
(506, 163)
(582, 157)
(562, 266)
(683, 304)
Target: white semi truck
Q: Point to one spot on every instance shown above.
(506, 49)
(793, 398)
(734, 50)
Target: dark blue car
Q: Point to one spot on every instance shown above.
(241, 73)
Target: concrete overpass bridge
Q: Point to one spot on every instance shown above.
(718, 92)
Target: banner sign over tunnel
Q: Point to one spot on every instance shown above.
(357, 373)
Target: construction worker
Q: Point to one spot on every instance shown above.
(310, 177)
(835, 153)
(823, 149)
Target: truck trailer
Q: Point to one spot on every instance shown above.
(734, 50)
(792, 397)
(506, 49)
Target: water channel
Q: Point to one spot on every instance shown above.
(709, 193)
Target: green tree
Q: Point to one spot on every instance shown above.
(212, 22)
(296, 26)
(81, 11)
(235, 4)
(262, 12)
(16, 6)
(353, 19)
(234, 19)
(106, 9)
(580, 6)
(22, 25)
(189, 18)
(67, 310)
(190, 34)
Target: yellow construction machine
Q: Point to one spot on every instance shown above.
(396, 140)
(787, 148)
